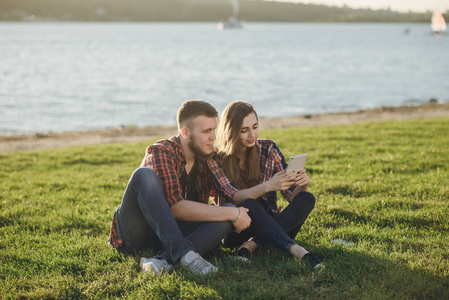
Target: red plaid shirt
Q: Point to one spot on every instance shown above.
(167, 160)
(271, 161)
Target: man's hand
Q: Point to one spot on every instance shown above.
(243, 220)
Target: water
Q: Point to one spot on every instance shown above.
(76, 76)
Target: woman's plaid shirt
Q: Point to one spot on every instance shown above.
(271, 161)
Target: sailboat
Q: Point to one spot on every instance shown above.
(438, 23)
(233, 21)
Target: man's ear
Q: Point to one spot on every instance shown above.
(185, 132)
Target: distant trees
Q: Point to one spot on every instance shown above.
(193, 10)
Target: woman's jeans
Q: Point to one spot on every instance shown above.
(146, 222)
(279, 231)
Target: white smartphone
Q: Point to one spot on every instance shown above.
(297, 162)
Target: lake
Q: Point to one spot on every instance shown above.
(75, 76)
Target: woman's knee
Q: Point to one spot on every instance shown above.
(251, 204)
(305, 200)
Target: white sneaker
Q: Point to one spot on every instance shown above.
(155, 265)
(195, 263)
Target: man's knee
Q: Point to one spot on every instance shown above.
(146, 178)
(143, 172)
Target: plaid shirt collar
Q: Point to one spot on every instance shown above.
(167, 159)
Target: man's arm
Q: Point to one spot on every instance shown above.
(192, 211)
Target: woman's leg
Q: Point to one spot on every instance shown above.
(234, 240)
(295, 214)
(266, 228)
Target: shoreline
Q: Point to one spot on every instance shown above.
(39, 141)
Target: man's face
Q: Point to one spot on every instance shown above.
(202, 135)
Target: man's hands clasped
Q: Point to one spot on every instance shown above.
(242, 220)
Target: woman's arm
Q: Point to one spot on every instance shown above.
(279, 182)
(302, 182)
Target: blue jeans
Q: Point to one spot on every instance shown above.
(279, 231)
(146, 222)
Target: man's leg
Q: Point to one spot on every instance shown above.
(144, 202)
(204, 236)
(145, 218)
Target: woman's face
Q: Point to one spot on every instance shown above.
(249, 131)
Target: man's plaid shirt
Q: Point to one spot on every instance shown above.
(271, 161)
(167, 160)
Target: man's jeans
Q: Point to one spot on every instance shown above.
(146, 222)
(280, 231)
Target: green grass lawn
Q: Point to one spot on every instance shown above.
(382, 186)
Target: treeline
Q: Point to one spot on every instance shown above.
(192, 11)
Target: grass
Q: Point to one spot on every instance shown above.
(383, 186)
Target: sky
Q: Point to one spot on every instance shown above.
(397, 5)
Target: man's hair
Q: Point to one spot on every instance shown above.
(191, 109)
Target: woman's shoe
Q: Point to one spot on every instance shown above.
(243, 254)
(312, 260)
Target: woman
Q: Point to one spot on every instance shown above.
(256, 170)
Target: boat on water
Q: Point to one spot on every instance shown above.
(438, 24)
(232, 23)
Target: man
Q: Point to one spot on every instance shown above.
(166, 203)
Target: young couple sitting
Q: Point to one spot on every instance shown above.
(166, 204)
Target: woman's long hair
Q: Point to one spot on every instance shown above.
(228, 140)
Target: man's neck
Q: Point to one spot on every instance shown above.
(188, 154)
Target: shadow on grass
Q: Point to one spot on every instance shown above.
(347, 190)
(347, 273)
(417, 222)
(271, 274)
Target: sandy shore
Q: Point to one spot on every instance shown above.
(65, 139)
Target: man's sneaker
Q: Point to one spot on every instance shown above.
(312, 260)
(155, 265)
(195, 263)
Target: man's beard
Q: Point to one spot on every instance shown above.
(196, 149)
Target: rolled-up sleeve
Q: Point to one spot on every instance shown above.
(226, 186)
